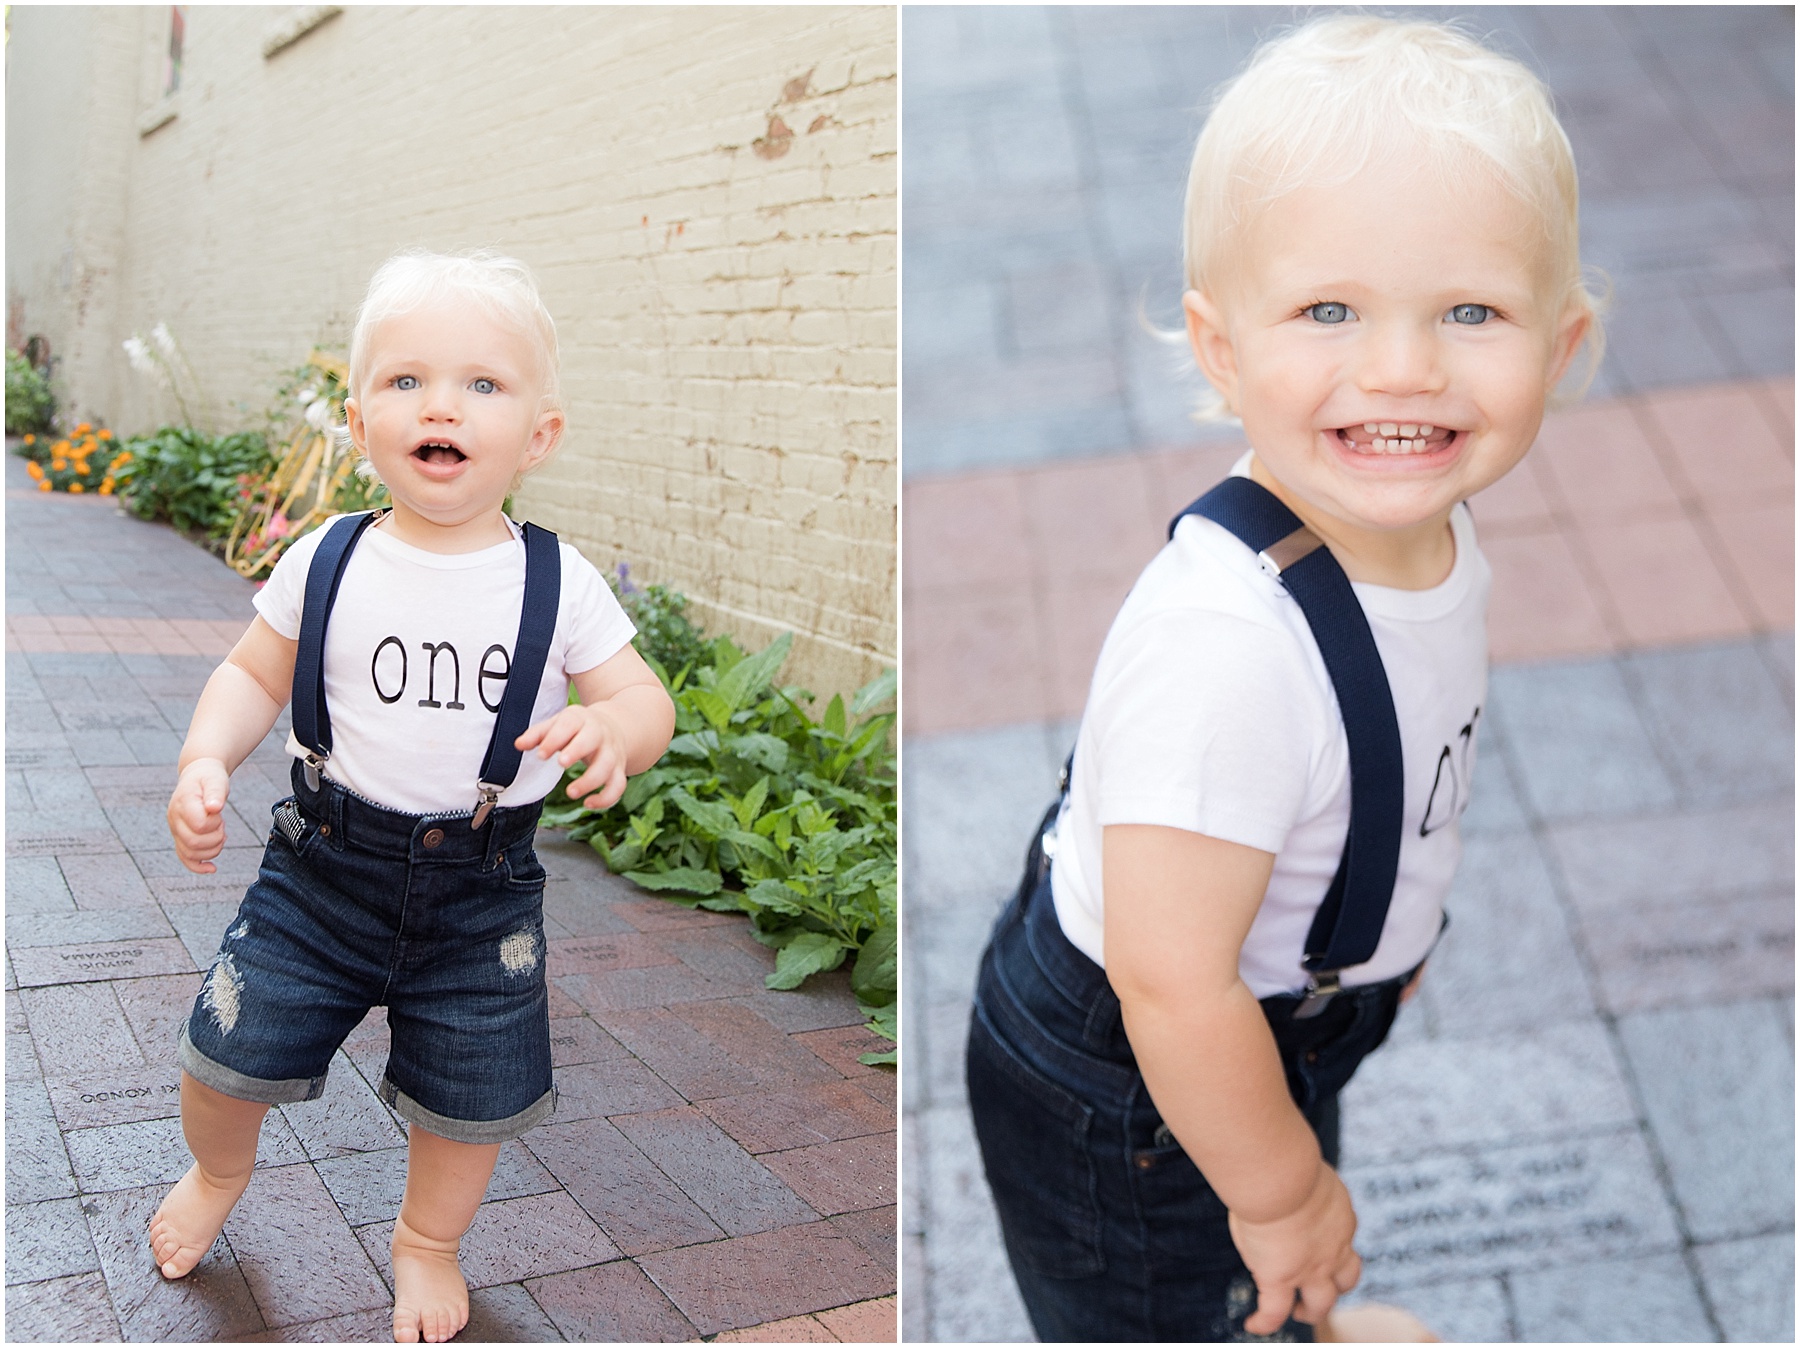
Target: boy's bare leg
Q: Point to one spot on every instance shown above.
(221, 1132)
(1372, 1323)
(445, 1182)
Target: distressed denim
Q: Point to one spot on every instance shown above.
(1112, 1231)
(356, 906)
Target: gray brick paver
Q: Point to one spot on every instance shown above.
(736, 1190)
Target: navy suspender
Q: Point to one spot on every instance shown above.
(537, 623)
(1348, 925)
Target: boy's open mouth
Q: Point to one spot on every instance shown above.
(1395, 437)
(439, 452)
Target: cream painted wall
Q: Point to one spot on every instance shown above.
(707, 195)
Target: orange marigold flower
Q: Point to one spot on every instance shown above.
(106, 435)
(44, 485)
(60, 447)
(83, 428)
(76, 486)
(106, 487)
(31, 439)
(36, 469)
(59, 463)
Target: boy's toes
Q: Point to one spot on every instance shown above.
(406, 1325)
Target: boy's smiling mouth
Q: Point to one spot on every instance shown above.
(1395, 437)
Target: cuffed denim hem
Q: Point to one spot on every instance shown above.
(227, 1081)
(475, 1131)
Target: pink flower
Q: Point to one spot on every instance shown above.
(278, 527)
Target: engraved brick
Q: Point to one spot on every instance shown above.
(577, 1039)
(599, 954)
(104, 1095)
(42, 965)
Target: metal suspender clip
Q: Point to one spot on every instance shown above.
(1320, 989)
(489, 794)
(1284, 552)
(314, 761)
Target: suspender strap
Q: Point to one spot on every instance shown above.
(1348, 925)
(537, 623)
(312, 718)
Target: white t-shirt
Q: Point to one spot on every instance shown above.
(1211, 711)
(416, 657)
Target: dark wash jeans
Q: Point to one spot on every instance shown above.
(1113, 1233)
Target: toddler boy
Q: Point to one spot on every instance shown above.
(1384, 285)
(401, 871)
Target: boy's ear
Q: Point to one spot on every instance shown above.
(1576, 323)
(544, 438)
(1211, 341)
(353, 423)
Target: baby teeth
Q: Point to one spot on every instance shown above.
(1389, 428)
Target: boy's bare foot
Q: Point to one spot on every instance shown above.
(190, 1219)
(1373, 1323)
(431, 1300)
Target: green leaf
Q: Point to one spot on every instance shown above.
(751, 804)
(714, 707)
(834, 716)
(686, 879)
(875, 692)
(808, 953)
(875, 979)
(891, 1058)
(752, 675)
(765, 751)
(713, 817)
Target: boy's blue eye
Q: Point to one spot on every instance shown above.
(1471, 314)
(406, 382)
(484, 385)
(1329, 312)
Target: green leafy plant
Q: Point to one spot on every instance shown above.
(30, 404)
(665, 634)
(190, 478)
(759, 809)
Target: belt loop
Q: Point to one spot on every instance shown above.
(334, 814)
(494, 849)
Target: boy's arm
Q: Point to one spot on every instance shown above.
(237, 708)
(622, 726)
(1178, 907)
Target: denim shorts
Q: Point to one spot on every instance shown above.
(359, 906)
(1112, 1231)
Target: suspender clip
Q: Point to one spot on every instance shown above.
(1284, 552)
(489, 794)
(314, 761)
(1320, 989)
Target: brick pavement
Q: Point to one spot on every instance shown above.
(1583, 1127)
(718, 1164)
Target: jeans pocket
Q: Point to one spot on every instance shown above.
(1186, 1226)
(1036, 1145)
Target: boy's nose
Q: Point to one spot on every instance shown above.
(1399, 360)
(441, 403)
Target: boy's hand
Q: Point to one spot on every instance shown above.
(583, 734)
(1306, 1252)
(197, 813)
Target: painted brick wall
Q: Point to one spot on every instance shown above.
(708, 197)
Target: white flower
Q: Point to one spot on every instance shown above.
(318, 413)
(139, 355)
(165, 343)
(307, 394)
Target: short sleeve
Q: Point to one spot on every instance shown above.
(1205, 722)
(597, 628)
(283, 595)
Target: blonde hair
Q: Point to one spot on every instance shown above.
(1318, 104)
(502, 286)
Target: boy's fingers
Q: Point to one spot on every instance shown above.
(615, 788)
(1273, 1306)
(1316, 1301)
